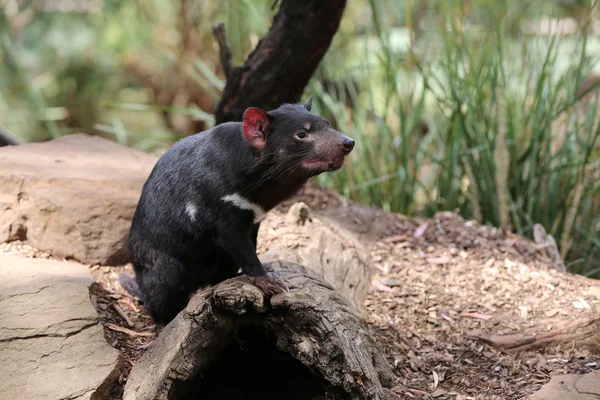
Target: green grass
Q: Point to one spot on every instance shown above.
(492, 100)
(490, 151)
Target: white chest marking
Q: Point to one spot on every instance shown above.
(246, 204)
(191, 211)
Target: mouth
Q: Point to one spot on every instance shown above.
(323, 165)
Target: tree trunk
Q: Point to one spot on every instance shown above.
(280, 67)
(233, 341)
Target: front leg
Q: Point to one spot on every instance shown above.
(254, 237)
(241, 247)
(255, 229)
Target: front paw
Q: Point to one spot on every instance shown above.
(269, 284)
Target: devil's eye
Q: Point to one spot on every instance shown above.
(300, 135)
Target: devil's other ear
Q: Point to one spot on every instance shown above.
(308, 105)
(254, 127)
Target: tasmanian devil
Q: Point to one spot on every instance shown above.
(199, 212)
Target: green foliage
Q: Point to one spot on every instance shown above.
(452, 106)
(508, 144)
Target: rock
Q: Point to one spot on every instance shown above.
(73, 197)
(52, 345)
(570, 387)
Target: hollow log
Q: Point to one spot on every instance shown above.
(233, 341)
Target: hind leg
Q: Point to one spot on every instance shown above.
(165, 287)
(216, 268)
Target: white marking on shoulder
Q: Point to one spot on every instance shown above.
(245, 204)
(191, 211)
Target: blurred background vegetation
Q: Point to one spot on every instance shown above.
(481, 106)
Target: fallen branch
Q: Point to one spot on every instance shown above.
(128, 331)
(581, 333)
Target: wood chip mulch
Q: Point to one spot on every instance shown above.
(440, 286)
(442, 283)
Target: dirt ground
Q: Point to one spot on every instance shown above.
(462, 311)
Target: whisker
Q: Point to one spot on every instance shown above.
(274, 171)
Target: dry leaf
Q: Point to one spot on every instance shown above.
(551, 313)
(421, 393)
(505, 341)
(128, 331)
(394, 239)
(581, 303)
(594, 291)
(478, 316)
(439, 260)
(448, 318)
(380, 286)
(420, 230)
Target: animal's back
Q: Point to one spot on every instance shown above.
(169, 241)
(169, 214)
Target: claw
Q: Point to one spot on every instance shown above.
(269, 285)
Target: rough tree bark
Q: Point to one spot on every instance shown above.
(332, 253)
(284, 60)
(310, 328)
(308, 342)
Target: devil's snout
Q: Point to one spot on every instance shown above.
(347, 145)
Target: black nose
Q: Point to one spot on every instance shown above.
(347, 145)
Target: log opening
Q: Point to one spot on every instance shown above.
(251, 367)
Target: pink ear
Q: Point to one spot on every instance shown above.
(254, 127)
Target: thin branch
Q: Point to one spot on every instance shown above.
(7, 138)
(224, 48)
(120, 311)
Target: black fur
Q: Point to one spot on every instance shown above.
(129, 284)
(174, 254)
